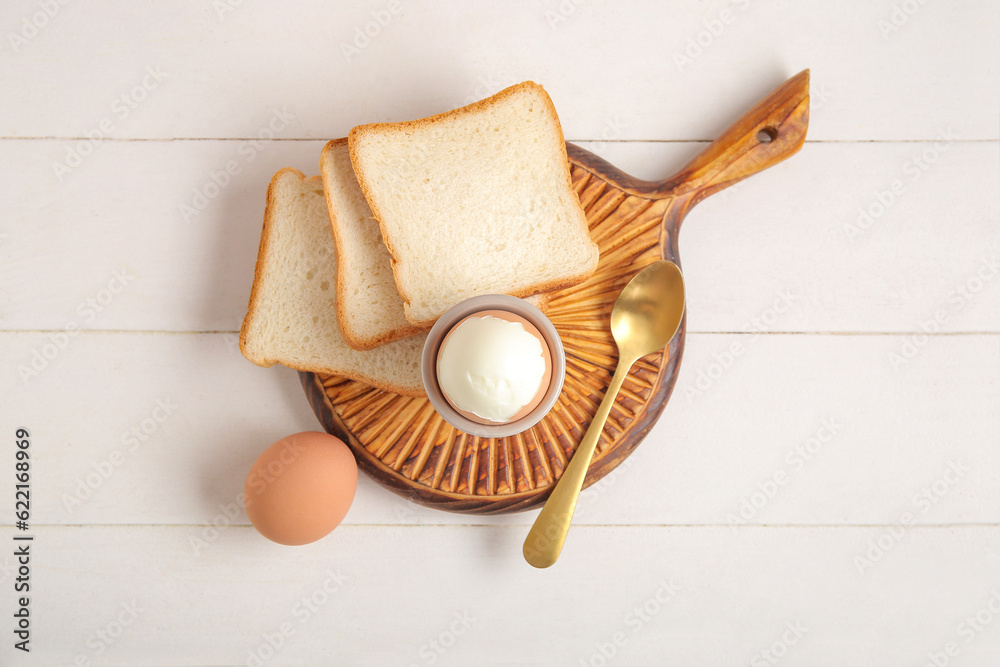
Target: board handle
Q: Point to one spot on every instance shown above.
(764, 136)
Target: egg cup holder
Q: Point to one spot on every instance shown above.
(478, 304)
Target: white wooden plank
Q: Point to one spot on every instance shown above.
(792, 230)
(795, 429)
(812, 236)
(123, 210)
(883, 70)
(378, 596)
(742, 440)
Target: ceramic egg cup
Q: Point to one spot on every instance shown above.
(428, 364)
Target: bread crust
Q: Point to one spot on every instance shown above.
(354, 338)
(260, 267)
(404, 126)
(256, 290)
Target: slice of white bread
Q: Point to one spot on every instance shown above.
(369, 307)
(475, 201)
(292, 316)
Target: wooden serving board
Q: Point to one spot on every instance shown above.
(403, 444)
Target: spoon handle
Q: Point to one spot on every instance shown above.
(546, 537)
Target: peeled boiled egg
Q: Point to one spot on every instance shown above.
(301, 487)
(494, 367)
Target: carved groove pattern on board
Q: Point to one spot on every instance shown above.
(404, 444)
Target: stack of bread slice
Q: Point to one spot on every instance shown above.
(408, 220)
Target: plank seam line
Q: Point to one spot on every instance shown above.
(573, 140)
(792, 526)
(689, 332)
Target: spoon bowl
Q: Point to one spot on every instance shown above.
(648, 311)
(645, 318)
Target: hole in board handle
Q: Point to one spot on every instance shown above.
(767, 135)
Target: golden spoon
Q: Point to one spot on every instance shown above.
(645, 317)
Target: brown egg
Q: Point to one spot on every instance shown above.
(301, 487)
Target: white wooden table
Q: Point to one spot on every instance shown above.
(830, 496)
